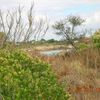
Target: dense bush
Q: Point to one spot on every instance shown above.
(96, 39)
(82, 46)
(26, 78)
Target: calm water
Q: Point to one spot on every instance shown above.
(51, 52)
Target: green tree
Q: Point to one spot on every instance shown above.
(66, 28)
(51, 41)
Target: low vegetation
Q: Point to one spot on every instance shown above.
(26, 78)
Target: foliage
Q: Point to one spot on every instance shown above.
(75, 20)
(51, 40)
(26, 78)
(82, 46)
(66, 28)
(96, 39)
(42, 40)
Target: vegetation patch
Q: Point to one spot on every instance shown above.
(96, 39)
(26, 78)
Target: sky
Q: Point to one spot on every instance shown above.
(55, 10)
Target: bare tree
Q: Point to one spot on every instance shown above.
(21, 28)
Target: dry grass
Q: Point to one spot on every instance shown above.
(79, 73)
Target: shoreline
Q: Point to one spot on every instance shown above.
(51, 47)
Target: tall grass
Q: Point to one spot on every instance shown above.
(79, 72)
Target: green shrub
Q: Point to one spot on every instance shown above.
(82, 46)
(96, 39)
(26, 78)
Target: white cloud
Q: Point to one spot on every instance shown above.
(92, 19)
(64, 3)
(47, 4)
(54, 8)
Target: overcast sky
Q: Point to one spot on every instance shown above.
(59, 9)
